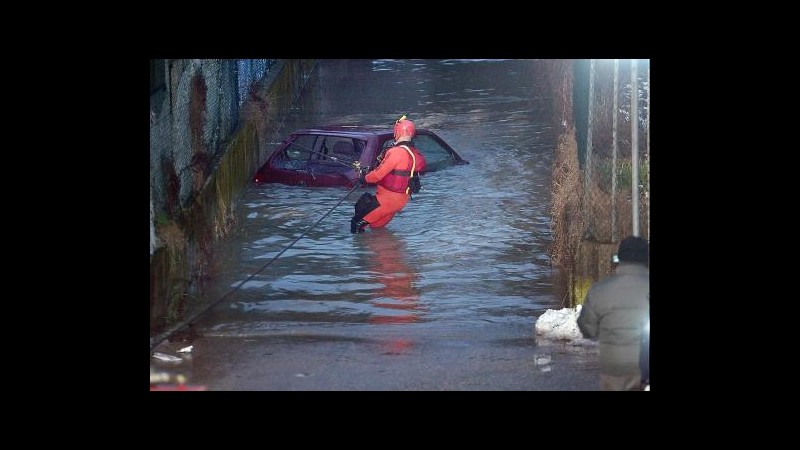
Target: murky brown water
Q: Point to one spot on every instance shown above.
(464, 262)
(470, 248)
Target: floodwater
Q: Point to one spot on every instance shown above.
(446, 296)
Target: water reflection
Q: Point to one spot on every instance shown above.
(398, 296)
(397, 301)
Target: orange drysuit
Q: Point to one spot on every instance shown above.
(391, 187)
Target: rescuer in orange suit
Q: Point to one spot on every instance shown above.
(391, 177)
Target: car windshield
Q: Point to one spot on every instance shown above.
(319, 151)
(436, 156)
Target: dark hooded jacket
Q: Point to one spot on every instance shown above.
(614, 314)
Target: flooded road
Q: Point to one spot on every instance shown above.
(446, 296)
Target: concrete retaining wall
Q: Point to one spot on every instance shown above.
(189, 212)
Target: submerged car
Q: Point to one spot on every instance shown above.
(329, 156)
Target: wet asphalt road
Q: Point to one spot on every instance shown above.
(455, 360)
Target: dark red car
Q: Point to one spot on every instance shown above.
(326, 156)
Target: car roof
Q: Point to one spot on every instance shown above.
(352, 131)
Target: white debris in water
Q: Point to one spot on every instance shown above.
(252, 215)
(186, 349)
(542, 362)
(165, 357)
(252, 284)
(562, 324)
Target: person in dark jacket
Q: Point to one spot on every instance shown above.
(615, 313)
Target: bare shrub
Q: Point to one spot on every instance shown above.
(566, 192)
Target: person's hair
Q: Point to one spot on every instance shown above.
(634, 249)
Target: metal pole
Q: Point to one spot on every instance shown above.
(589, 127)
(647, 161)
(587, 182)
(635, 147)
(615, 113)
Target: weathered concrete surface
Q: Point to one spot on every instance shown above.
(470, 359)
(184, 259)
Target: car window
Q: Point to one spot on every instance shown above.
(360, 146)
(386, 144)
(297, 154)
(299, 148)
(434, 153)
(436, 156)
(345, 150)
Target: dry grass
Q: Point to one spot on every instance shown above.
(566, 192)
(582, 213)
(258, 110)
(599, 210)
(224, 220)
(582, 217)
(171, 234)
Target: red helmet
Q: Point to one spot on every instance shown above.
(404, 127)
